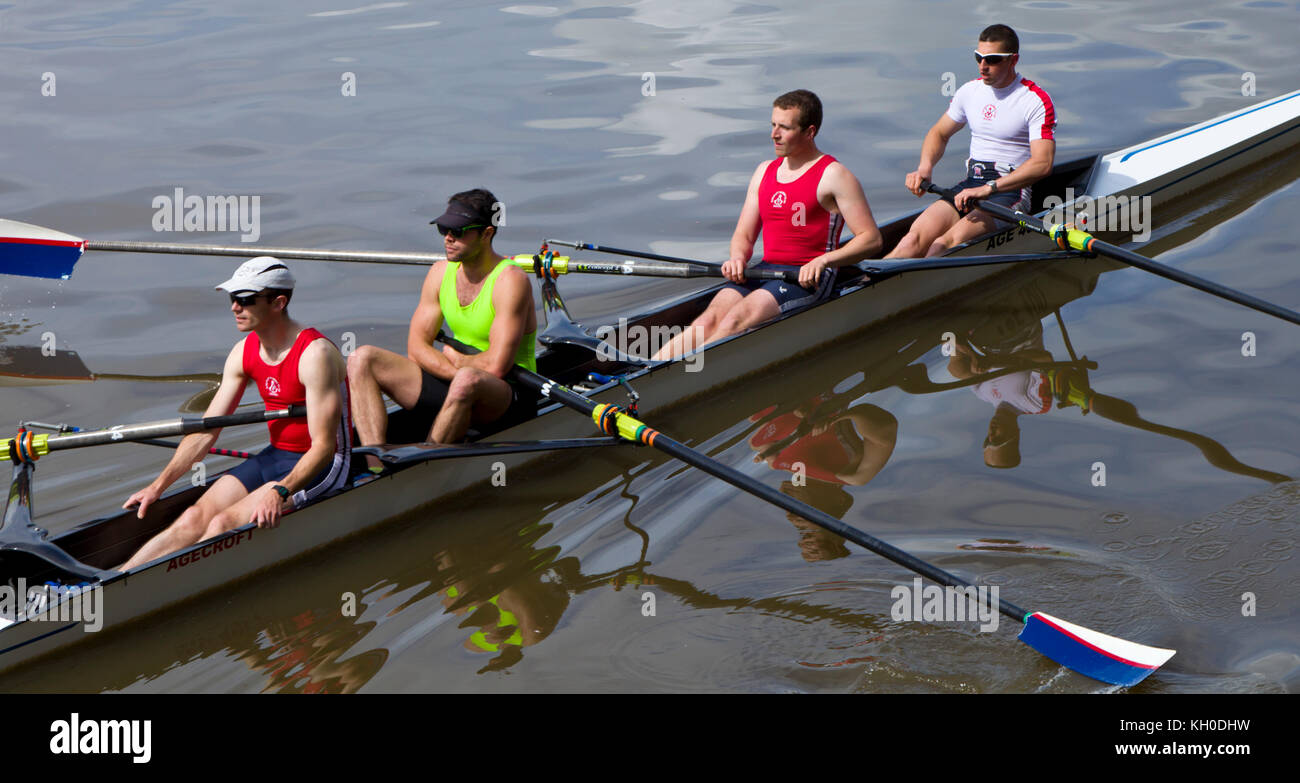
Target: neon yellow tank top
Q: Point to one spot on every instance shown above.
(472, 324)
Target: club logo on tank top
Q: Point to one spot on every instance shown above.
(272, 387)
(778, 199)
(990, 111)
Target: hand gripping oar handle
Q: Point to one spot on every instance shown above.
(1067, 237)
(29, 446)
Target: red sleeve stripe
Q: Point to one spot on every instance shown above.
(1049, 119)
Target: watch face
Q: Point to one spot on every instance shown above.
(282, 491)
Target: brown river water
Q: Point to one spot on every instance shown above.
(1199, 441)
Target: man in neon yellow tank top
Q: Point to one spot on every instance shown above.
(485, 302)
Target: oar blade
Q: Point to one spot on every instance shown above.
(33, 251)
(1097, 655)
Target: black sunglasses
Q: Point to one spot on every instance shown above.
(247, 300)
(456, 232)
(991, 59)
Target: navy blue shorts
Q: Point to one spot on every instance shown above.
(980, 173)
(272, 464)
(788, 296)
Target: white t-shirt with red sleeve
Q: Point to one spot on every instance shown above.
(1003, 121)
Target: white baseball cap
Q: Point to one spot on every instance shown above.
(259, 274)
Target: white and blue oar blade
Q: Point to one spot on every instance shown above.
(1097, 655)
(33, 251)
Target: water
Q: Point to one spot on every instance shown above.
(548, 107)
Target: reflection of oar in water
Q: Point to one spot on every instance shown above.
(1069, 384)
(1103, 657)
(26, 365)
(1071, 389)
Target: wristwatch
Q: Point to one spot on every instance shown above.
(993, 185)
(281, 490)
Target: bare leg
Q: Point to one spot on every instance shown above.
(928, 227)
(373, 372)
(696, 335)
(972, 225)
(191, 524)
(232, 517)
(756, 308)
(473, 395)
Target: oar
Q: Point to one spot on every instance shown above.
(561, 265)
(28, 446)
(620, 252)
(425, 452)
(35, 251)
(1097, 655)
(878, 269)
(1070, 237)
(167, 444)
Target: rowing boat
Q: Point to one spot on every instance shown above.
(1161, 170)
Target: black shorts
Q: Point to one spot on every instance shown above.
(788, 296)
(433, 393)
(979, 173)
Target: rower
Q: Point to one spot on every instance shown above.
(1012, 146)
(291, 365)
(487, 302)
(801, 200)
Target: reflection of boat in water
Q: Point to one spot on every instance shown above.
(1162, 169)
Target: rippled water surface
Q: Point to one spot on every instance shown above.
(638, 125)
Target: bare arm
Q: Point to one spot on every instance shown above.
(425, 324)
(844, 193)
(1042, 154)
(746, 233)
(512, 300)
(194, 447)
(321, 371)
(932, 149)
(879, 430)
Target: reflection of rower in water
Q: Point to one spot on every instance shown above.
(1032, 390)
(515, 602)
(838, 448)
(1012, 395)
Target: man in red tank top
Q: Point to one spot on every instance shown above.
(291, 365)
(800, 201)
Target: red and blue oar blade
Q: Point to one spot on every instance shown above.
(1097, 655)
(33, 251)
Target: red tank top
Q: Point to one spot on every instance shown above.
(796, 228)
(280, 388)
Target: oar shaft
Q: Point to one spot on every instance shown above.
(631, 429)
(563, 265)
(1082, 240)
(42, 444)
(621, 252)
(286, 253)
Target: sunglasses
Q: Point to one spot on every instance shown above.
(456, 232)
(992, 59)
(248, 300)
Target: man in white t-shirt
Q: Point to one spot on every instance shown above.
(1012, 146)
